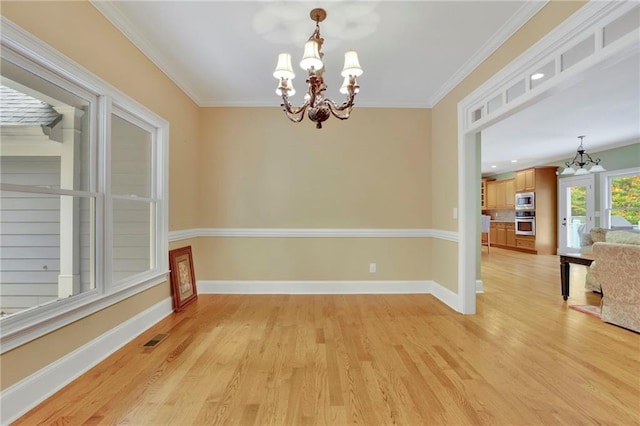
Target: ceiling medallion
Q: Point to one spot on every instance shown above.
(318, 107)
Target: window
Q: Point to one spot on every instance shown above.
(621, 198)
(82, 192)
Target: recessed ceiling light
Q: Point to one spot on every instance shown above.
(514, 161)
(537, 76)
(494, 166)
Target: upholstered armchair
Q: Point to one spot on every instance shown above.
(598, 235)
(618, 272)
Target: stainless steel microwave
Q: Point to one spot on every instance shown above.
(525, 201)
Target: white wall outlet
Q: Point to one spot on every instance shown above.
(372, 268)
(455, 212)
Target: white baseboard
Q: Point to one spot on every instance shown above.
(443, 294)
(446, 296)
(479, 286)
(21, 397)
(314, 287)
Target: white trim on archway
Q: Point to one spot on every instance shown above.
(474, 113)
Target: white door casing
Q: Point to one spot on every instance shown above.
(474, 114)
(570, 227)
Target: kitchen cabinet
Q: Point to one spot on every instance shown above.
(525, 180)
(527, 243)
(492, 195)
(493, 232)
(504, 194)
(510, 193)
(511, 234)
(503, 234)
(500, 194)
(483, 194)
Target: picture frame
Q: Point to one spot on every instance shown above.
(183, 279)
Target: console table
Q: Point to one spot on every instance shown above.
(565, 260)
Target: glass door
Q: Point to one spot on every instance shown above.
(576, 211)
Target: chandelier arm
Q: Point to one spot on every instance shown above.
(341, 112)
(293, 112)
(591, 160)
(573, 162)
(294, 118)
(346, 106)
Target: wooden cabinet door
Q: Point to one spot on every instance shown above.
(520, 181)
(501, 195)
(492, 195)
(501, 236)
(511, 235)
(493, 233)
(510, 194)
(530, 179)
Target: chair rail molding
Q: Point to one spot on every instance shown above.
(313, 233)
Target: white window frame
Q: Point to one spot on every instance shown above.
(22, 48)
(605, 192)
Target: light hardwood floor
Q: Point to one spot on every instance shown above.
(525, 358)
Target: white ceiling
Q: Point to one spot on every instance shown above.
(222, 53)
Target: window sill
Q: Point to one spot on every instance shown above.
(23, 327)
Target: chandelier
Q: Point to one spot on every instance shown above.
(581, 160)
(318, 107)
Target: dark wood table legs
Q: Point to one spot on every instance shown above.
(564, 278)
(565, 261)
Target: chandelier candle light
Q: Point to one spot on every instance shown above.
(318, 107)
(580, 160)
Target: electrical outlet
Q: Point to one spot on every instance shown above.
(372, 268)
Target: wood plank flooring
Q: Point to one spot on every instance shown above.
(525, 358)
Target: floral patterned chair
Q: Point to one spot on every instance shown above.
(599, 235)
(618, 272)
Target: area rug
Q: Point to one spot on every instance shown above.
(587, 309)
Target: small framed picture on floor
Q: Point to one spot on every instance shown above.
(183, 280)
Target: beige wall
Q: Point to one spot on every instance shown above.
(262, 171)
(79, 31)
(314, 259)
(445, 130)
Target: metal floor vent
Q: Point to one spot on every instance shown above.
(155, 341)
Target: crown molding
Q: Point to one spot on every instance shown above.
(526, 12)
(111, 12)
